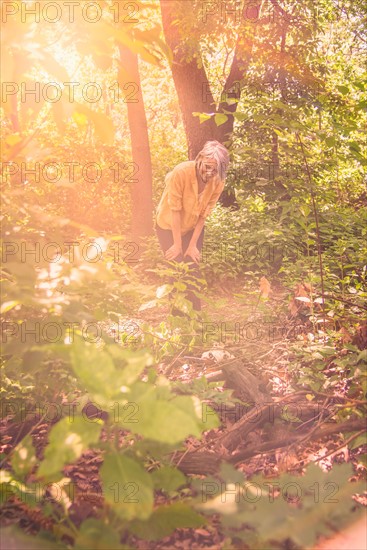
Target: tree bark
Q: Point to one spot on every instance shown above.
(141, 189)
(193, 87)
(194, 92)
(191, 83)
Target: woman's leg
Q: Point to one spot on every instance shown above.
(195, 271)
(165, 238)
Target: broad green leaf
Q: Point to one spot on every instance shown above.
(168, 478)
(94, 533)
(240, 116)
(13, 537)
(165, 519)
(135, 362)
(322, 504)
(127, 487)
(10, 486)
(330, 141)
(220, 119)
(343, 89)
(95, 369)
(163, 421)
(203, 116)
(68, 439)
(205, 416)
(358, 442)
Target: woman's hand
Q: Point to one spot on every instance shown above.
(172, 252)
(194, 253)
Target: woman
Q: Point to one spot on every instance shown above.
(191, 192)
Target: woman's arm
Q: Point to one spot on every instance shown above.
(198, 228)
(192, 251)
(176, 249)
(176, 228)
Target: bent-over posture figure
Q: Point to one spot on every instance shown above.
(191, 191)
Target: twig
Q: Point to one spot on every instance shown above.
(348, 302)
(341, 446)
(171, 365)
(317, 228)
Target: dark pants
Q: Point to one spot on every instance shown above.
(165, 238)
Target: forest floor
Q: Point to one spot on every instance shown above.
(265, 359)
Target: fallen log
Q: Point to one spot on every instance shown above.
(264, 413)
(247, 387)
(323, 431)
(204, 462)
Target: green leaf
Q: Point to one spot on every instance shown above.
(240, 116)
(95, 369)
(162, 421)
(24, 457)
(322, 504)
(135, 362)
(230, 474)
(220, 119)
(305, 210)
(127, 487)
(203, 116)
(180, 286)
(168, 478)
(354, 146)
(93, 533)
(359, 441)
(205, 416)
(14, 537)
(68, 439)
(330, 141)
(362, 356)
(10, 486)
(163, 290)
(148, 305)
(343, 89)
(7, 306)
(165, 520)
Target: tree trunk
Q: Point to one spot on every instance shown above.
(194, 92)
(193, 87)
(141, 189)
(191, 83)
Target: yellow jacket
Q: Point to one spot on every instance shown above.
(181, 193)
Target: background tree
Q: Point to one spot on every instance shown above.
(141, 189)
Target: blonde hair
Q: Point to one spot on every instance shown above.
(217, 151)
